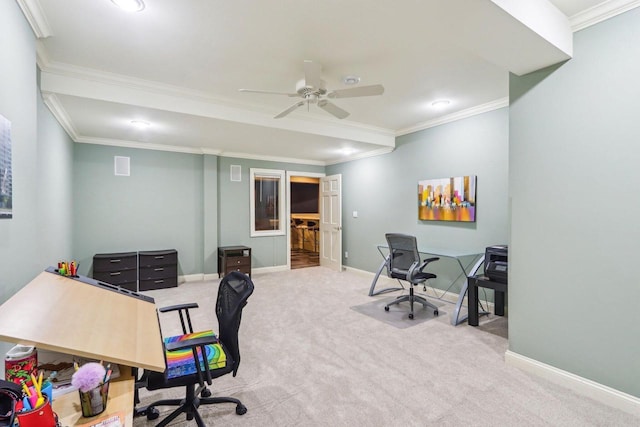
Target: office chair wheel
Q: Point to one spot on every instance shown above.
(435, 312)
(386, 308)
(152, 413)
(410, 315)
(241, 409)
(205, 392)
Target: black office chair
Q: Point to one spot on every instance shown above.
(404, 264)
(235, 288)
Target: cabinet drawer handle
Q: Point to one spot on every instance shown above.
(159, 257)
(158, 281)
(158, 269)
(114, 260)
(117, 273)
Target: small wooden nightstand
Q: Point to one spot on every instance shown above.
(234, 258)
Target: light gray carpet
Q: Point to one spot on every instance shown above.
(309, 360)
(398, 314)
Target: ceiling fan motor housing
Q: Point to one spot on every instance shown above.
(310, 93)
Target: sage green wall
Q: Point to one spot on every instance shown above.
(55, 189)
(210, 200)
(19, 249)
(384, 191)
(233, 206)
(160, 206)
(573, 286)
(38, 234)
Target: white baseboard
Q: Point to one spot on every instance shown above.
(601, 393)
(273, 269)
(210, 276)
(190, 278)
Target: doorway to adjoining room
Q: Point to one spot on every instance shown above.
(305, 221)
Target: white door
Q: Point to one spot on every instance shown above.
(331, 222)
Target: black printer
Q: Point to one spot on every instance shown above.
(496, 264)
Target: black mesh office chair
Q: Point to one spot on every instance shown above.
(235, 288)
(404, 264)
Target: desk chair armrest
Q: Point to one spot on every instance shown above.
(418, 267)
(181, 308)
(193, 342)
(178, 307)
(427, 261)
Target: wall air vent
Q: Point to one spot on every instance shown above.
(121, 166)
(236, 173)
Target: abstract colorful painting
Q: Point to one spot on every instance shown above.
(447, 199)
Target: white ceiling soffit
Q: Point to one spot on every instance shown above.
(500, 37)
(494, 30)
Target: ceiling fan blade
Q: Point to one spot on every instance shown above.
(332, 109)
(290, 109)
(268, 92)
(312, 71)
(357, 91)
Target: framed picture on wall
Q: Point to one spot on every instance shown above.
(447, 199)
(6, 186)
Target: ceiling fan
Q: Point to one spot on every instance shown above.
(312, 90)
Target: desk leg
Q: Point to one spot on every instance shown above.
(375, 279)
(455, 318)
(498, 307)
(472, 303)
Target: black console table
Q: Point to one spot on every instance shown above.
(472, 302)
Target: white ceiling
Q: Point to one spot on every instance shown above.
(179, 65)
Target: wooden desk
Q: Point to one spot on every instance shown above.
(62, 314)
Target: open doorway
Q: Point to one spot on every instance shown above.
(304, 213)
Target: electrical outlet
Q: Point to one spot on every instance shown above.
(346, 254)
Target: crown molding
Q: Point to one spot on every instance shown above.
(32, 10)
(364, 155)
(42, 56)
(140, 145)
(469, 112)
(601, 12)
(58, 111)
(272, 158)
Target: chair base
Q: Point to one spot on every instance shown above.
(189, 406)
(413, 298)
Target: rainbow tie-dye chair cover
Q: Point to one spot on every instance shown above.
(180, 362)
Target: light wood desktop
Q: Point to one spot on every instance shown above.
(61, 314)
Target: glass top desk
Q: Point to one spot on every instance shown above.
(470, 269)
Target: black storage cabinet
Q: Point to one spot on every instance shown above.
(158, 269)
(120, 269)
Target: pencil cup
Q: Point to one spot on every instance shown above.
(94, 401)
(42, 416)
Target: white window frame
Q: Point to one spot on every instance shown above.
(282, 200)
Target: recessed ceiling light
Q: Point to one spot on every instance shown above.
(129, 5)
(441, 103)
(140, 124)
(351, 80)
(347, 151)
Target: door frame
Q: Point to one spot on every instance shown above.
(288, 209)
